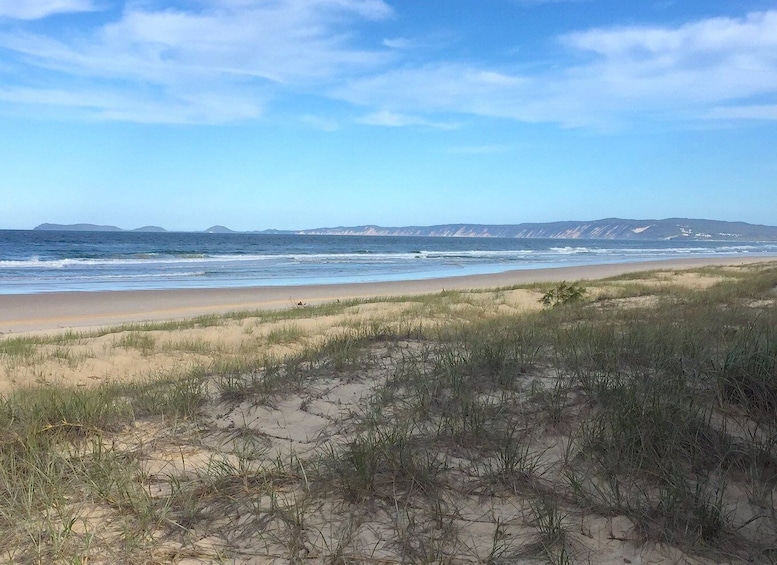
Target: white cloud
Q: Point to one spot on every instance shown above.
(679, 70)
(387, 118)
(248, 48)
(751, 112)
(442, 88)
(37, 9)
(398, 43)
(282, 42)
(112, 104)
(319, 123)
(220, 60)
(756, 31)
(631, 73)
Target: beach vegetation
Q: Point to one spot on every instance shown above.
(562, 294)
(287, 333)
(195, 345)
(17, 348)
(473, 435)
(143, 341)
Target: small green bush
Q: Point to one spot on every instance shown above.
(563, 294)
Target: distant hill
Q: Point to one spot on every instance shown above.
(93, 227)
(610, 228)
(219, 229)
(75, 227)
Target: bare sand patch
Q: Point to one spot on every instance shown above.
(691, 280)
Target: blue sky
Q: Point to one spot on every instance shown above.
(293, 114)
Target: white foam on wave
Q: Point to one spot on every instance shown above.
(152, 260)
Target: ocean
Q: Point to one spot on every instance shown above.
(50, 261)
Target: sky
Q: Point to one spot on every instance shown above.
(293, 114)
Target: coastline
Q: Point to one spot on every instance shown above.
(21, 313)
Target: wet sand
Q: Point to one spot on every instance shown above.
(61, 310)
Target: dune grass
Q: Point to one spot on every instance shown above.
(489, 438)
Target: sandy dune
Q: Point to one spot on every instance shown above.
(255, 476)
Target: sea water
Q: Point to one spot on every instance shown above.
(49, 261)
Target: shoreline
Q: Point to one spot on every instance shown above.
(22, 313)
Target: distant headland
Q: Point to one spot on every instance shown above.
(92, 227)
(608, 229)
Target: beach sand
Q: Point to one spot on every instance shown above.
(244, 477)
(78, 310)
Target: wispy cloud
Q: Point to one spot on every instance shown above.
(38, 9)
(280, 42)
(245, 47)
(222, 60)
(394, 119)
(744, 112)
(443, 88)
(630, 73)
(118, 105)
(320, 123)
(398, 43)
(679, 71)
